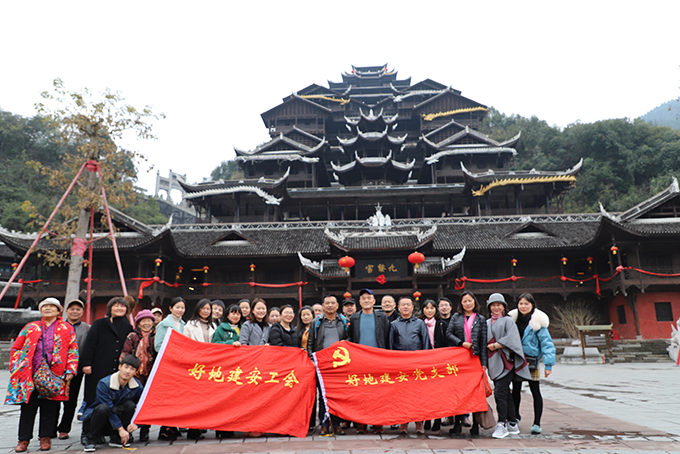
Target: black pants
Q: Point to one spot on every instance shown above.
(322, 411)
(99, 421)
(504, 404)
(535, 393)
(48, 417)
(70, 405)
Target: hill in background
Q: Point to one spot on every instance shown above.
(667, 114)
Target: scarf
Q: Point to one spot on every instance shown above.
(177, 322)
(205, 328)
(142, 352)
(430, 323)
(495, 317)
(523, 322)
(468, 327)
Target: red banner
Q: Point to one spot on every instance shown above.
(222, 387)
(375, 386)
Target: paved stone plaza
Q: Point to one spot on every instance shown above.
(589, 409)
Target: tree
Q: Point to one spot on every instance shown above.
(92, 124)
(227, 170)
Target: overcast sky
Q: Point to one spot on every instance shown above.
(214, 66)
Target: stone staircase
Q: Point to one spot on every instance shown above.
(628, 351)
(641, 351)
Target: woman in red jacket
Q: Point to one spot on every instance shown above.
(54, 340)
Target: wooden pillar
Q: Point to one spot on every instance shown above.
(631, 299)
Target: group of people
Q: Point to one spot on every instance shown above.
(114, 358)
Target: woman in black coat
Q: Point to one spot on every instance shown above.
(282, 333)
(103, 345)
(467, 329)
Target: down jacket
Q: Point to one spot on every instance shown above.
(536, 340)
(455, 335)
(64, 360)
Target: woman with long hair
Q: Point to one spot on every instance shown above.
(139, 343)
(537, 343)
(228, 331)
(283, 333)
(436, 331)
(256, 330)
(467, 329)
(506, 363)
(200, 326)
(172, 321)
(303, 325)
(51, 341)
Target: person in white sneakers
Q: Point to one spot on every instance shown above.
(506, 362)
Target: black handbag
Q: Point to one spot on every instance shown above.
(532, 361)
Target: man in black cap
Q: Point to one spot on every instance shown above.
(369, 328)
(74, 312)
(349, 307)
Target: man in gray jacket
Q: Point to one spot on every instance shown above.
(369, 328)
(74, 313)
(326, 329)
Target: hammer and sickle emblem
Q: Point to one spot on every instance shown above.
(342, 355)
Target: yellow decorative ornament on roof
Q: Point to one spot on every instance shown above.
(528, 180)
(432, 116)
(341, 100)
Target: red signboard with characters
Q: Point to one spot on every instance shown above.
(222, 387)
(375, 386)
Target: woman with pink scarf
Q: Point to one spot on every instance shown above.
(467, 329)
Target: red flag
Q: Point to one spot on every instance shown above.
(375, 386)
(222, 387)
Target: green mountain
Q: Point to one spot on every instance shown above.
(667, 114)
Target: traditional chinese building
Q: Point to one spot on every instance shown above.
(376, 168)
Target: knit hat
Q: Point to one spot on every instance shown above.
(496, 298)
(146, 313)
(53, 301)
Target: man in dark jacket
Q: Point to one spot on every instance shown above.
(326, 329)
(369, 328)
(114, 406)
(74, 313)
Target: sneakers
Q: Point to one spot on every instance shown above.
(90, 445)
(513, 428)
(501, 431)
(116, 442)
(535, 429)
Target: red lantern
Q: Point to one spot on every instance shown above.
(416, 258)
(347, 295)
(417, 295)
(564, 260)
(346, 262)
(514, 262)
(614, 250)
(252, 267)
(206, 268)
(590, 260)
(180, 269)
(158, 261)
(15, 265)
(86, 263)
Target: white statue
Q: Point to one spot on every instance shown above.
(379, 219)
(674, 348)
